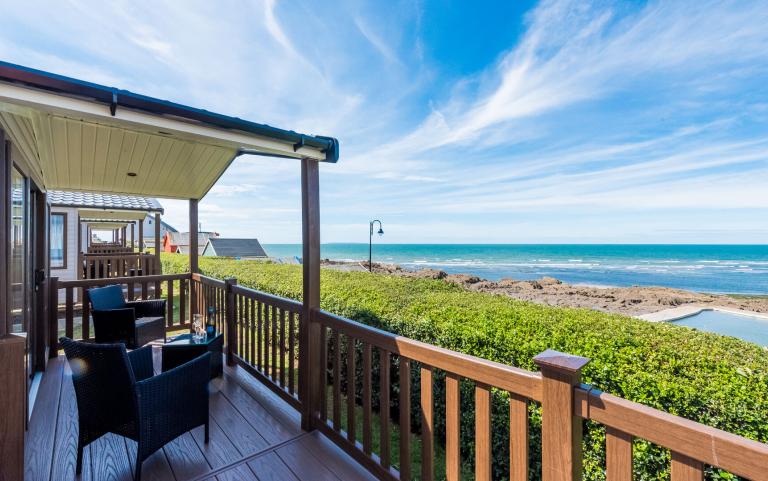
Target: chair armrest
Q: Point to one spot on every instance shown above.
(173, 403)
(148, 308)
(141, 362)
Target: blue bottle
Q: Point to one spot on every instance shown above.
(210, 325)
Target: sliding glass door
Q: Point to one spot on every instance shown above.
(18, 269)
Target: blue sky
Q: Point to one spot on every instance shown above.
(483, 121)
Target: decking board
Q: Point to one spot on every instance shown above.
(185, 458)
(40, 441)
(254, 436)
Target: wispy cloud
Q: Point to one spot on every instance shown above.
(603, 120)
(576, 51)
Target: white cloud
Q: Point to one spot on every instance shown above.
(574, 51)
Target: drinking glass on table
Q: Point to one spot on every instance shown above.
(198, 332)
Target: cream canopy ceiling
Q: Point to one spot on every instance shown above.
(118, 215)
(78, 143)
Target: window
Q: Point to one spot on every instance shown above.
(58, 241)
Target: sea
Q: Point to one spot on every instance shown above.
(729, 269)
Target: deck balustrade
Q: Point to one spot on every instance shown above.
(263, 336)
(109, 265)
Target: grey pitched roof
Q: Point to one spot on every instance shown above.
(182, 238)
(103, 201)
(237, 247)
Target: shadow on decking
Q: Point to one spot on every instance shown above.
(254, 436)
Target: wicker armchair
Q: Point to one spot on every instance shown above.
(134, 323)
(117, 392)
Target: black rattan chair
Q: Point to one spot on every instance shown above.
(134, 323)
(117, 392)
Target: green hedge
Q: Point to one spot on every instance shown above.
(715, 380)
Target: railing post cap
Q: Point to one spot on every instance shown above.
(561, 361)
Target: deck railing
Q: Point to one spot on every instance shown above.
(266, 339)
(109, 249)
(69, 319)
(369, 376)
(104, 266)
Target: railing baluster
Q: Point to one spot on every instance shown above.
(240, 324)
(273, 344)
(183, 301)
(685, 468)
(367, 398)
(169, 303)
(245, 318)
(405, 418)
(251, 346)
(292, 353)
(384, 362)
(482, 433)
(618, 455)
(259, 331)
(69, 312)
(86, 312)
(324, 373)
(337, 380)
(452, 433)
(282, 349)
(518, 438)
(427, 426)
(144, 289)
(351, 368)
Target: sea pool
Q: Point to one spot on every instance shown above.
(749, 328)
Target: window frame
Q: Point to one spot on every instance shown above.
(64, 239)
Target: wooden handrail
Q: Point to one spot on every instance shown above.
(738, 455)
(519, 381)
(122, 280)
(208, 280)
(281, 302)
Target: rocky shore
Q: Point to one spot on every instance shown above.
(633, 301)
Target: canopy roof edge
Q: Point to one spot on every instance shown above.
(82, 136)
(115, 98)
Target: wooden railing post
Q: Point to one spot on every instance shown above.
(53, 316)
(561, 430)
(229, 312)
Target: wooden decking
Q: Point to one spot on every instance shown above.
(254, 436)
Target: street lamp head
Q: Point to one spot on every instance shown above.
(381, 231)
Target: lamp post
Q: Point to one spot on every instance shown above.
(370, 243)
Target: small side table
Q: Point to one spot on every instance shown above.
(181, 349)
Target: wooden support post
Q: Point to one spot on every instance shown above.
(311, 386)
(141, 235)
(133, 235)
(561, 430)
(157, 243)
(229, 312)
(193, 266)
(193, 239)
